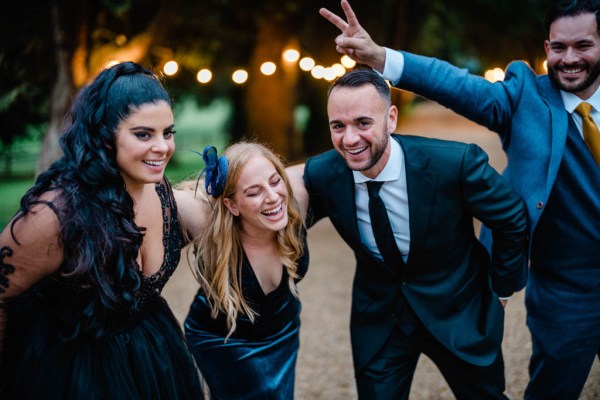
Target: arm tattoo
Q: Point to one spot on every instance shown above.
(5, 269)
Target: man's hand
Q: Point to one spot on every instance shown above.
(354, 41)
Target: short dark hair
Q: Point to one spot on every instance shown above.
(572, 8)
(360, 77)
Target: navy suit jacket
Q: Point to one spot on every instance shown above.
(449, 279)
(527, 112)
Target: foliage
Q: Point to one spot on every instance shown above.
(26, 69)
(225, 34)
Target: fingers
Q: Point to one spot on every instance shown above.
(346, 51)
(334, 19)
(350, 16)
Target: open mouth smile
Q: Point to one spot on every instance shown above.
(275, 211)
(356, 151)
(153, 163)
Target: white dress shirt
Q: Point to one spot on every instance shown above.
(395, 197)
(571, 101)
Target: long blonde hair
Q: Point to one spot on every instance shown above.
(219, 252)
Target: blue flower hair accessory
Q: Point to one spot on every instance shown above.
(215, 171)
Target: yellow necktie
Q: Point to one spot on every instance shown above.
(591, 135)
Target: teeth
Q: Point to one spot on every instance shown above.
(572, 70)
(356, 151)
(153, 163)
(273, 211)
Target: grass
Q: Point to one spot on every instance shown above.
(12, 190)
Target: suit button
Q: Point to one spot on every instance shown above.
(540, 205)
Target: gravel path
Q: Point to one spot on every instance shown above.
(324, 370)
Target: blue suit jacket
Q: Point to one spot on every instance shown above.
(527, 112)
(449, 278)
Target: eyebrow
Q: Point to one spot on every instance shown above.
(337, 121)
(253, 186)
(147, 128)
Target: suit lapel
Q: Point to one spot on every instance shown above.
(421, 185)
(345, 209)
(559, 126)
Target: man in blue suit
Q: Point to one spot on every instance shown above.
(427, 285)
(553, 151)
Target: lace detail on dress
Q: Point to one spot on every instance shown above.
(172, 242)
(5, 269)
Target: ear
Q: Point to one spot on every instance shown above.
(392, 120)
(231, 207)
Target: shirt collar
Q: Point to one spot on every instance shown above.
(392, 169)
(571, 100)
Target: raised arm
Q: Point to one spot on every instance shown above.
(28, 253)
(355, 41)
(295, 174)
(193, 209)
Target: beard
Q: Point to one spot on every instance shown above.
(593, 74)
(379, 151)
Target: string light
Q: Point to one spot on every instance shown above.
(306, 64)
(171, 68)
(291, 55)
(239, 76)
(347, 62)
(494, 75)
(268, 68)
(329, 74)
(318, 72)
(338, 69)
(204, 75)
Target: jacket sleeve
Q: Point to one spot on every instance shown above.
(492, 201)
(489, 104)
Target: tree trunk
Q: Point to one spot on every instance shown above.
(77, 67)
(60, 100)
(270, 100)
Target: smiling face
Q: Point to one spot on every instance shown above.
(260, 198)
(360, 122)
(144, 143)
(573, 54)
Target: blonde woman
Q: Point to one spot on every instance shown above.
(250, 251)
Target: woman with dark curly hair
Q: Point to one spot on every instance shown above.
(84, 260)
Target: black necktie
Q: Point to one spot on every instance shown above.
(382, 230)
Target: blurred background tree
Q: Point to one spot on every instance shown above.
(50, 49)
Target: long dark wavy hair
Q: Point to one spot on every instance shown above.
(99, 236)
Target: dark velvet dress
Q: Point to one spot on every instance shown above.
(139, 354)
(258, 360)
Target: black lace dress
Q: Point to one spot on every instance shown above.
(141, 355)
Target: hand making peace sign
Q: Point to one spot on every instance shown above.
(354, 40)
